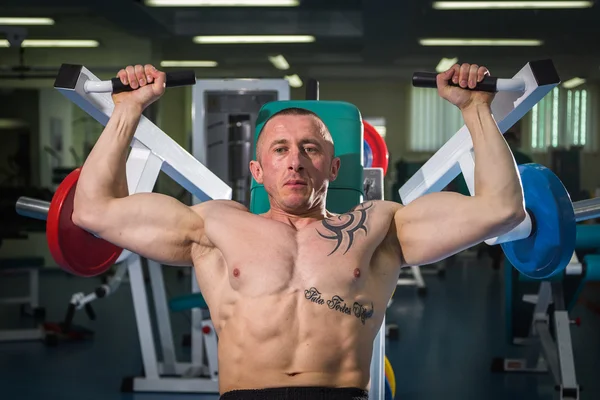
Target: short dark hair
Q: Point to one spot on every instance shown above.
(299, 112)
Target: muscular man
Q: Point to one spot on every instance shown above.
(297, 294)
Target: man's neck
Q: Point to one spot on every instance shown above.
(298, 220)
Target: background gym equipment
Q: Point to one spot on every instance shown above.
(548, 204)
(225, 113)
(29, 302)
(536, 313)
(65, 330)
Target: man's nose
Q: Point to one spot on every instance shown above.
(295, 160)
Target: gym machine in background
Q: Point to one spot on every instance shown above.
(224, 118)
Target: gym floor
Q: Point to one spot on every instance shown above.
(447, 341)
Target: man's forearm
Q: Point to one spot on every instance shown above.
(496, 175)
(103, 174)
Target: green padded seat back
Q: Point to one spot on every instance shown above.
(345, 125)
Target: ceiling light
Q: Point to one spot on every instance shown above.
(279, 62)
(53, 43)
(445, 64)
(514, 5)
(254, 39)
(6, 123)
(222, 3)
(293, 80)
(26, 21)
(189, 64)
(572, 83)
(480, 42)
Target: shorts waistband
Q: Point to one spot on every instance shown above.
(297, 393)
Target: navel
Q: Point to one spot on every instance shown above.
(236, 272)
(356, 272)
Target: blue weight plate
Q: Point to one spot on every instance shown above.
(549, 248)
(368, 155)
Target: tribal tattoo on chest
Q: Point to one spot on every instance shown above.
(336, 303)
(344, 226)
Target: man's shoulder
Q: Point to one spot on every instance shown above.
(378, 206)
(211, 206)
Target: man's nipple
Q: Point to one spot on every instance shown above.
(236, 272)
(356, 273)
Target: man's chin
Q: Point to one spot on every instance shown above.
(296, 202)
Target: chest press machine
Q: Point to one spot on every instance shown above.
(152, 151)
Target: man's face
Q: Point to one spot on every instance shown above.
(295, 162)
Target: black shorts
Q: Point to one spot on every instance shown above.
(297, 393)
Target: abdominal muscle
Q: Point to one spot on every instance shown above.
(283, 340)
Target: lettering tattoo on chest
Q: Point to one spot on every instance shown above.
(351, 223)
(336, 303)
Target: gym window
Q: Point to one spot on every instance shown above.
(433, 120)
(562, 119)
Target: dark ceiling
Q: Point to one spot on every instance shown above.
(355, 39)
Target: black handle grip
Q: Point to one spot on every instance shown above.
(173, 79)
(66, 326)
(312, 89)
(428, 80)
(90, 312)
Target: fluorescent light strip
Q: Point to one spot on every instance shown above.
(25, 21)
(573, 83)
(222, 3)
(247, 39)
(445, 64)
(189, 64)
(293, 80)
(480, 42)
(53, 43)
(514, 5)
(6, 123)
(279, 62)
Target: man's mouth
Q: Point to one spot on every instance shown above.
(295, 182)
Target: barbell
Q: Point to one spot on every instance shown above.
(541, 246)
(74, 249)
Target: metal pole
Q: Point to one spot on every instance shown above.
(587, 209)
(33, 208)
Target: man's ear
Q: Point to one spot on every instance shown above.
(256, 170)
(335, 168)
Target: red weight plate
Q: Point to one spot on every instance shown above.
(74, 249)
(378, 147)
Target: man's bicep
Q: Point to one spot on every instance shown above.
(438, 225)
(153, 225)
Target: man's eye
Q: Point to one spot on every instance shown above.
(310, 150)
(280, 150)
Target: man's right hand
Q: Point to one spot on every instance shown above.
(148, 82)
